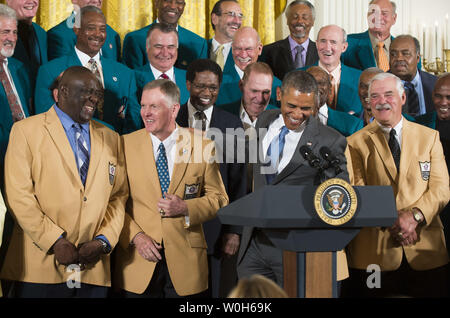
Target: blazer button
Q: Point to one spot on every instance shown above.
(84, 199)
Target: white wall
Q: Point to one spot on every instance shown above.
(411, 16)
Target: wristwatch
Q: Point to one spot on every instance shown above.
(418, 216)
(106, 247)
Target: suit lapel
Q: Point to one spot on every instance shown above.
(184, 151)
(381, 144)
(408, 138)
(145, 149)
(183, 116)
(97, 144)
(17, 83)
(286, 54)
(312, 55)
(59, 137)
(365, 52)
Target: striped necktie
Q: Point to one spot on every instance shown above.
(82, 153)
(274, 155)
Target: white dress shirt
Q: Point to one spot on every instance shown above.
(157, 73)
(336, 73)
(84, 59)
(194, 123)
(398, 129)
(226, 49)
(291, 142)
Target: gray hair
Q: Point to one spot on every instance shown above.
(164, 28)
(409, 37)
(385, 76)
(305, 2)
(302, 82)
(167, 87)
(371, 70)
(394, 5)
(7, 12)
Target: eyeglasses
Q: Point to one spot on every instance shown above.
(212, 88)
(234, 15)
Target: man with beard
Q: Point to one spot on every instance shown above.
(404, 56)
(297, 50)
(246, 48)
(392, 151)
(120, 108)
(226, 19)
(62, 39)
(203, 80)
(31, 47)
(191, 46)
(67, 190)
(371, 48)
(344, 123)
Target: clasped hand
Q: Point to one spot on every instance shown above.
(67, 253)
(404, 229)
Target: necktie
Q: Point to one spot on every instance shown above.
(331, 102)
(164, 76)
(275, 152)
(298, 56)
(383, 61)
(16, 110)
(163, 170)
(220, 59)
(92, 65)
(200, 116)
(395, 148)
(412, 100)
(82, 153)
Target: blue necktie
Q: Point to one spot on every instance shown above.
(274, 155)
(82, 153)
(412, 99)
(163, 170)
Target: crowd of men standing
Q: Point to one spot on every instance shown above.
(101, 178)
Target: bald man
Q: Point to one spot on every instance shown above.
(246, 48)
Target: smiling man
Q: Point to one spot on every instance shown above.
(404, 55)
(191, 46)
(162, 53)
(287, 129)
(203, 82)
(31, 47)
(297, 50)
(392, 151)
(70, 213)
(62, 38)
(120, 108)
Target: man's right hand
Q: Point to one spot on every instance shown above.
(65, 252)
(147, 247)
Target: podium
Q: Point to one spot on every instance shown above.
(287, 216)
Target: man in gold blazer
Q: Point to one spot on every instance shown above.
(66, 187)
(393, 151)
(174, 188)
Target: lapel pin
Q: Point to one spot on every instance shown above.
(110, 46)
(114, 79)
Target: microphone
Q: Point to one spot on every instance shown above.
(326, 154)
(313, 160)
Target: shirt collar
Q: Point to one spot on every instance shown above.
(168, 142)
(67, 121)
(374, 42)
(335, 72)
(215, 45)
(294, 44)
(157, 21)
(84, 58)
(157, 73)
(239, 71)
(192, 110)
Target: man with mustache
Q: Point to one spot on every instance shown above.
(404, 56)
(120, 108)
(62, 39)
(297, 50)
(203, 80)
(392, 151)
(162, 53)
(286, 130)
(371, 48)
(439, 119)
(31, 46)
(15, 96)
(191, 46)
(331, 43)
(226, 19)
(246, 48)
(67, 190)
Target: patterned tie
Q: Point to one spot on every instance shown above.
(220, 59)
(298, 56)
(412, 100)
(395, 148)
(383, 61)
(274, 155)
(331, 102)
(163, 170)
(163, 76)
(82, 153)
(16, 110)
(200, 116)
(92, 65)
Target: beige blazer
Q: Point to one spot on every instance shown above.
(370, 163)
(184, 246)
(2, 223)
(47, 198)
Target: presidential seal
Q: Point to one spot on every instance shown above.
(335, 201)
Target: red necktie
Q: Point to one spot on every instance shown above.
(164, 76)
(16, 110)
